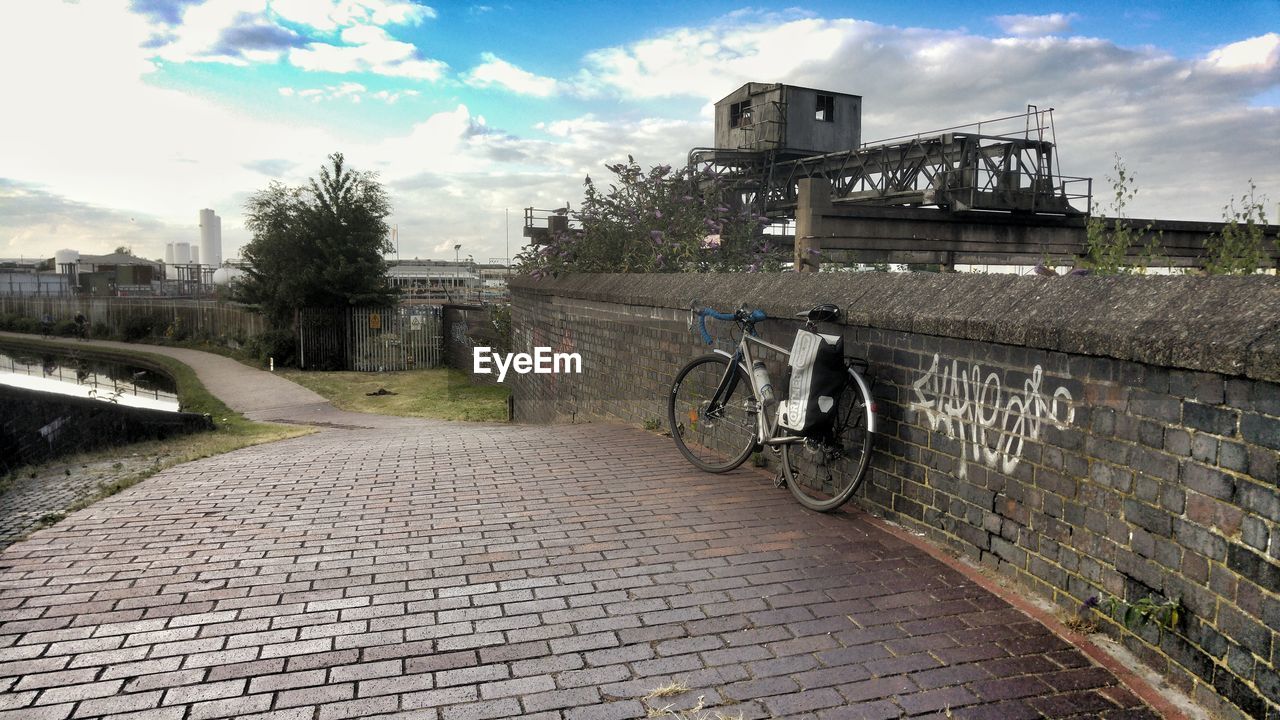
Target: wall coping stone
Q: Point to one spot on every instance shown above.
(1226, 325)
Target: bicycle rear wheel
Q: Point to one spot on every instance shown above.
(719, 437)
(823, 473)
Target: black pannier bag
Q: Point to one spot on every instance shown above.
(817, 377)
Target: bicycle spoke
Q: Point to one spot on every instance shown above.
(714, 433)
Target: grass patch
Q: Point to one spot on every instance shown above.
(441, 393)
(141, 460)
(675, 688)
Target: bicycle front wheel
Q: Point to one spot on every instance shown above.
(823, 473)
(714, 432)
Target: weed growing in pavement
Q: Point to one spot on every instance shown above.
(697, 712)
(1163, 614)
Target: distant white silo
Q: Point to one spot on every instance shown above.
(210, 237)
(66, 260)
(181, 253)
(225, 275)
(195, 254)
(168, 253)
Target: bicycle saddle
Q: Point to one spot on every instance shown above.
(826, 312)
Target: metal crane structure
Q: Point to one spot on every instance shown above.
(990, 192)
(960, 169)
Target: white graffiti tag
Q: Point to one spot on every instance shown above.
(991, 429)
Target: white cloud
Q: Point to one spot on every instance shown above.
(1257, 54)
(104, 137)
(243, 32)
(369, 50)
(98, 134)
(1178, 123)
(330, 15)
(1035, 25)
(354, 92)
(709, 63)
(393, 96)
(350, 91)
(496, 72)
(236, 32)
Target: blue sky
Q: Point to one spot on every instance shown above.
(134, 114)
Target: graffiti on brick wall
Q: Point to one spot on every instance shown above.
(992, 422)
(458, 334)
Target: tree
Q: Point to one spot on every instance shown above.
(1108, 240)
(656, 221)
(319, 245)
(1240, 248)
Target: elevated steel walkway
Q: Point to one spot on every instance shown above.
(990, 166)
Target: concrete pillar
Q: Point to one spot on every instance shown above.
(812, 200)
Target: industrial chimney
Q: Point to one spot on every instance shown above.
(210, 238)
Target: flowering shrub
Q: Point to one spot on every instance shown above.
(663, 220)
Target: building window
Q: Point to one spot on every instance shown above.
(740, 114)
(826, 109)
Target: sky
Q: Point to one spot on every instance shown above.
(121, 119)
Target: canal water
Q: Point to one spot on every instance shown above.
(118, 383)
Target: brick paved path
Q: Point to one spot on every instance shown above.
(478, 571)
(31, 499)
(30, 502)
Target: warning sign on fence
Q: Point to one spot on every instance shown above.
(375, 321)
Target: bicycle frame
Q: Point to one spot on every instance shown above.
(766, 422)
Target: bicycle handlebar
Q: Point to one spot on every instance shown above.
(742, 316)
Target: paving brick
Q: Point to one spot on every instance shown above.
(472, 675)
(367, 707)
(443, 696)
(315, 695)
(524, 584)
(72, 693)
(803, 702)
(286, 681)
(233, 707)
(43, 712)
(117, 704)
(557, 699)
(54, 679)
(204, 691)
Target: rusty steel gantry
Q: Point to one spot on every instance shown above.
(990, 192)
(765, 146)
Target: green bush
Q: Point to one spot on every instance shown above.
(279, 344)
(65, 328)
(101, 330)
(137, 327)
(24, 325)
(177, 330)
(1240, 248)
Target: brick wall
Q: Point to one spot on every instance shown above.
(37, 426)
(464, 327)
(1088, 437)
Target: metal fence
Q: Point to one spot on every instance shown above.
(201, 317)
(369, 339)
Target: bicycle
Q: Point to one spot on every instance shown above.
(715, 416)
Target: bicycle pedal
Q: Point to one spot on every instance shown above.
(780, 481)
